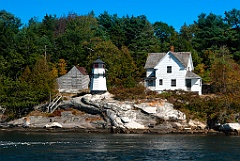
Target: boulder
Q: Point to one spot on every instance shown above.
(162, 109)
(196, 124)
(229, 127)
(134, 125)
(53, 124)
(26, 122)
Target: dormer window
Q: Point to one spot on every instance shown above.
(152, 74)
(169, 69)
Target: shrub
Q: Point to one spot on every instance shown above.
(56, 113)
(134, 93)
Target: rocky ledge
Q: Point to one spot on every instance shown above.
(102, 113)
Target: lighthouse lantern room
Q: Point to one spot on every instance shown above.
(98, 77)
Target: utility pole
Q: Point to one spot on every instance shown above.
(45, 52)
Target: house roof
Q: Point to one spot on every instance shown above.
(183, 57)
(190, 74)
(82, 70)
(154, 58)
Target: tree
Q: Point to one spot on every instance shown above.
(79, 30)
(165, 34)
(210, 32)
(62, 67)
(140, 40)
(112, 27)
(116, 32)
(233, 18)
(186, 35)
(233, 33)
(128, 75)
(25, 75)
(9, 27)
(225, 73)
(105, 21)
(48, 26)
(42, 80)
(209, 36)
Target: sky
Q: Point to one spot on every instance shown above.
(173, 12)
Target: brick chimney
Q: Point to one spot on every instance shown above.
(172, 48)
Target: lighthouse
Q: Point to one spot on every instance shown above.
(98, 77)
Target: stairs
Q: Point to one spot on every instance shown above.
(54, 104)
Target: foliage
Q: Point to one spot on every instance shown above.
(62, 67)
(164, 34)
(225, 74)
(135, 93)
(33, 87)
(117, 63)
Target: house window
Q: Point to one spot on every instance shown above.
(160, 82)
(169, 69)
(173, 82)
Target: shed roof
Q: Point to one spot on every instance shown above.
(154, 58)
(82, 70)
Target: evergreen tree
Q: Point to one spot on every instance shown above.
(165, 35)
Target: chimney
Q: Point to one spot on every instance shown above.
(172, 48)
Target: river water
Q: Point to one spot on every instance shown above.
(24, 146)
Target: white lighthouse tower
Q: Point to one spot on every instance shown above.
(98, 77)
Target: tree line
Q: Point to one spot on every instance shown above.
(33, 55)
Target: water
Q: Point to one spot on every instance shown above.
(22, 146)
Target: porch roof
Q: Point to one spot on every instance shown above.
(150, 78)
(190, 74)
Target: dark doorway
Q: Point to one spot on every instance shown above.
(188, 84)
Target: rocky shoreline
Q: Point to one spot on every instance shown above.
(108, 131)
(103, 114)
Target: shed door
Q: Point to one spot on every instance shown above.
(74, 83)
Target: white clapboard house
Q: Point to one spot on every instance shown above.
(74, 81)
(171, 71)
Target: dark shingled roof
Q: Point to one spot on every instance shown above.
(182, 57)
(190, 74)
(82, 70)
(154, 58)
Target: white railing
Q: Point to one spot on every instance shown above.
(54, 104)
